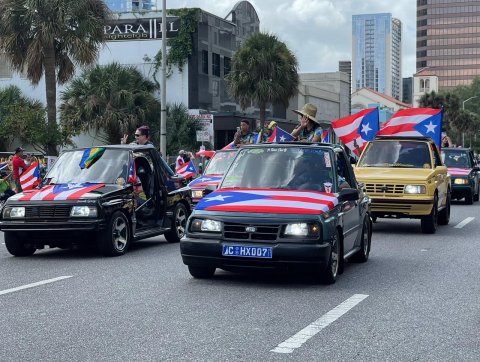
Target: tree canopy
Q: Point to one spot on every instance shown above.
(264, 71)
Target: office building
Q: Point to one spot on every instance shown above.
(407, 91)
(448, 34)
(377, 53)
(345, 66)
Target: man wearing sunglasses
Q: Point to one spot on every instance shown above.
(142, 136)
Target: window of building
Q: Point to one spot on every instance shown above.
(205, 61)
(226, 66)
(427, 85)
(422, 85)
(5, 70)
(216, 64)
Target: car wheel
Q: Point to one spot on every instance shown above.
(469, 197)
(429, 223)
(16, 246)
(201, 272)
(179, 224)
(361, 256)
(329, 275)
(444, 215)
(115, 239)
(374, 218)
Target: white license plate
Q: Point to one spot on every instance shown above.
(263, 252)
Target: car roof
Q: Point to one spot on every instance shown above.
(403, 138)
(455, 149)
(128, 147)
(295, 144)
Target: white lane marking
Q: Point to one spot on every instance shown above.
(464, 222)
(32, 285)
(297, 340)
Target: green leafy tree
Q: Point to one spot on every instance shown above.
(50, 38)
(114, 99)
(24, 119)
(264, 71)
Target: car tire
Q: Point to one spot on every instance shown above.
(429, 223)
(330, 273)
(201, 272)
(362, 255)
(469, 198)
(374, 218)
(444, 215)
(115, 239)
(16, 246)
(179, 224)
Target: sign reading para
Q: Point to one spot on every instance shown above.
(139, 29)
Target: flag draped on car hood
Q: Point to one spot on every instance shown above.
(268, 201)
(456, 171)
(58, 192)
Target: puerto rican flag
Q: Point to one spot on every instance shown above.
(356, 130)
(30, 177)
(204, 181)
(325, 136)
(426, 122)
(187, 170)
(60, 192)
(456, 171)
(230, 146)
(280, 135)
(268, 201)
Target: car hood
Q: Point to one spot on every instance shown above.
(203, 181)
(268, 201)
(66, 192)
(375, 174)
(457, 171)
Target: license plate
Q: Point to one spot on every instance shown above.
(263, 252)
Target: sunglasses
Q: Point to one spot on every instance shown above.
(138, 135)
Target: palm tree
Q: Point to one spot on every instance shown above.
(113, 98)
(51, 38)
(264, 71)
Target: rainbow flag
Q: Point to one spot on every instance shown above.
(90, 156)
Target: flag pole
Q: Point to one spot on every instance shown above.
(163, 112)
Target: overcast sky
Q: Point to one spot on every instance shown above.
(319, 32)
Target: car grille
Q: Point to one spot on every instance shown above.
(384, 188)
(48, 212)
(262, 233)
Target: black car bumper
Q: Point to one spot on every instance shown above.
(208, 252)
(460, 191)
(53, 226)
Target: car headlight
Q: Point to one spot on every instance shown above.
(206, 225)
(461, 181)
(84, 211)
(197, 194)
(14, 212)
(302, 229)
(415, 189)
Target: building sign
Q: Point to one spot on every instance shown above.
(140, 29)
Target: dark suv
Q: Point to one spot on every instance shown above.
(106, 196)
(295, 205)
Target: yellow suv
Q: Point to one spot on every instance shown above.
(405, 178)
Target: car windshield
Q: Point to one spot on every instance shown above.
(107, 168)
(454, 158)
(219, 163)
(407, 154)
(292, 168)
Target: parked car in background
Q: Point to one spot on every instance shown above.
(213, 174)
(106, 196)
(405, 178)
(464, 172)
(281, 206)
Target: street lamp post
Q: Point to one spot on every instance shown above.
(163, 105)
(463, 108)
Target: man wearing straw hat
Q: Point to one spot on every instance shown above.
(309, 129)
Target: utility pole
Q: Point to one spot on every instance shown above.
(163, 115)
(463, 108)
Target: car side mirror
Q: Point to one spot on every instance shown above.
(209, 189)
(476, 169)
(353, 160)
(348, 195)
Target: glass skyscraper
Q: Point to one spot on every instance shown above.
(130, 5)
(377, 53)
(448, 40)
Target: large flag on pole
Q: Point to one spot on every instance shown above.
(426, 122)
(356, 130)
(187, 170)
(280, 135)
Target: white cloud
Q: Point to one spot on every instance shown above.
(319, 31)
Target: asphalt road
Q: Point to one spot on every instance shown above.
(416, 299)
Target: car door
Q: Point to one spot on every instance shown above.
(158, 188)
(475, 174)
(349, 211)
(441, 178)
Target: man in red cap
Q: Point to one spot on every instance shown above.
(18, 166)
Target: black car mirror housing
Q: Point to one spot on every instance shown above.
(348, 195)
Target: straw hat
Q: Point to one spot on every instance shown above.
(310, 111)
(272, 124)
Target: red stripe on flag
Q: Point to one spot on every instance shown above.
(80, 193)
(264, 209)
(328, 203)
